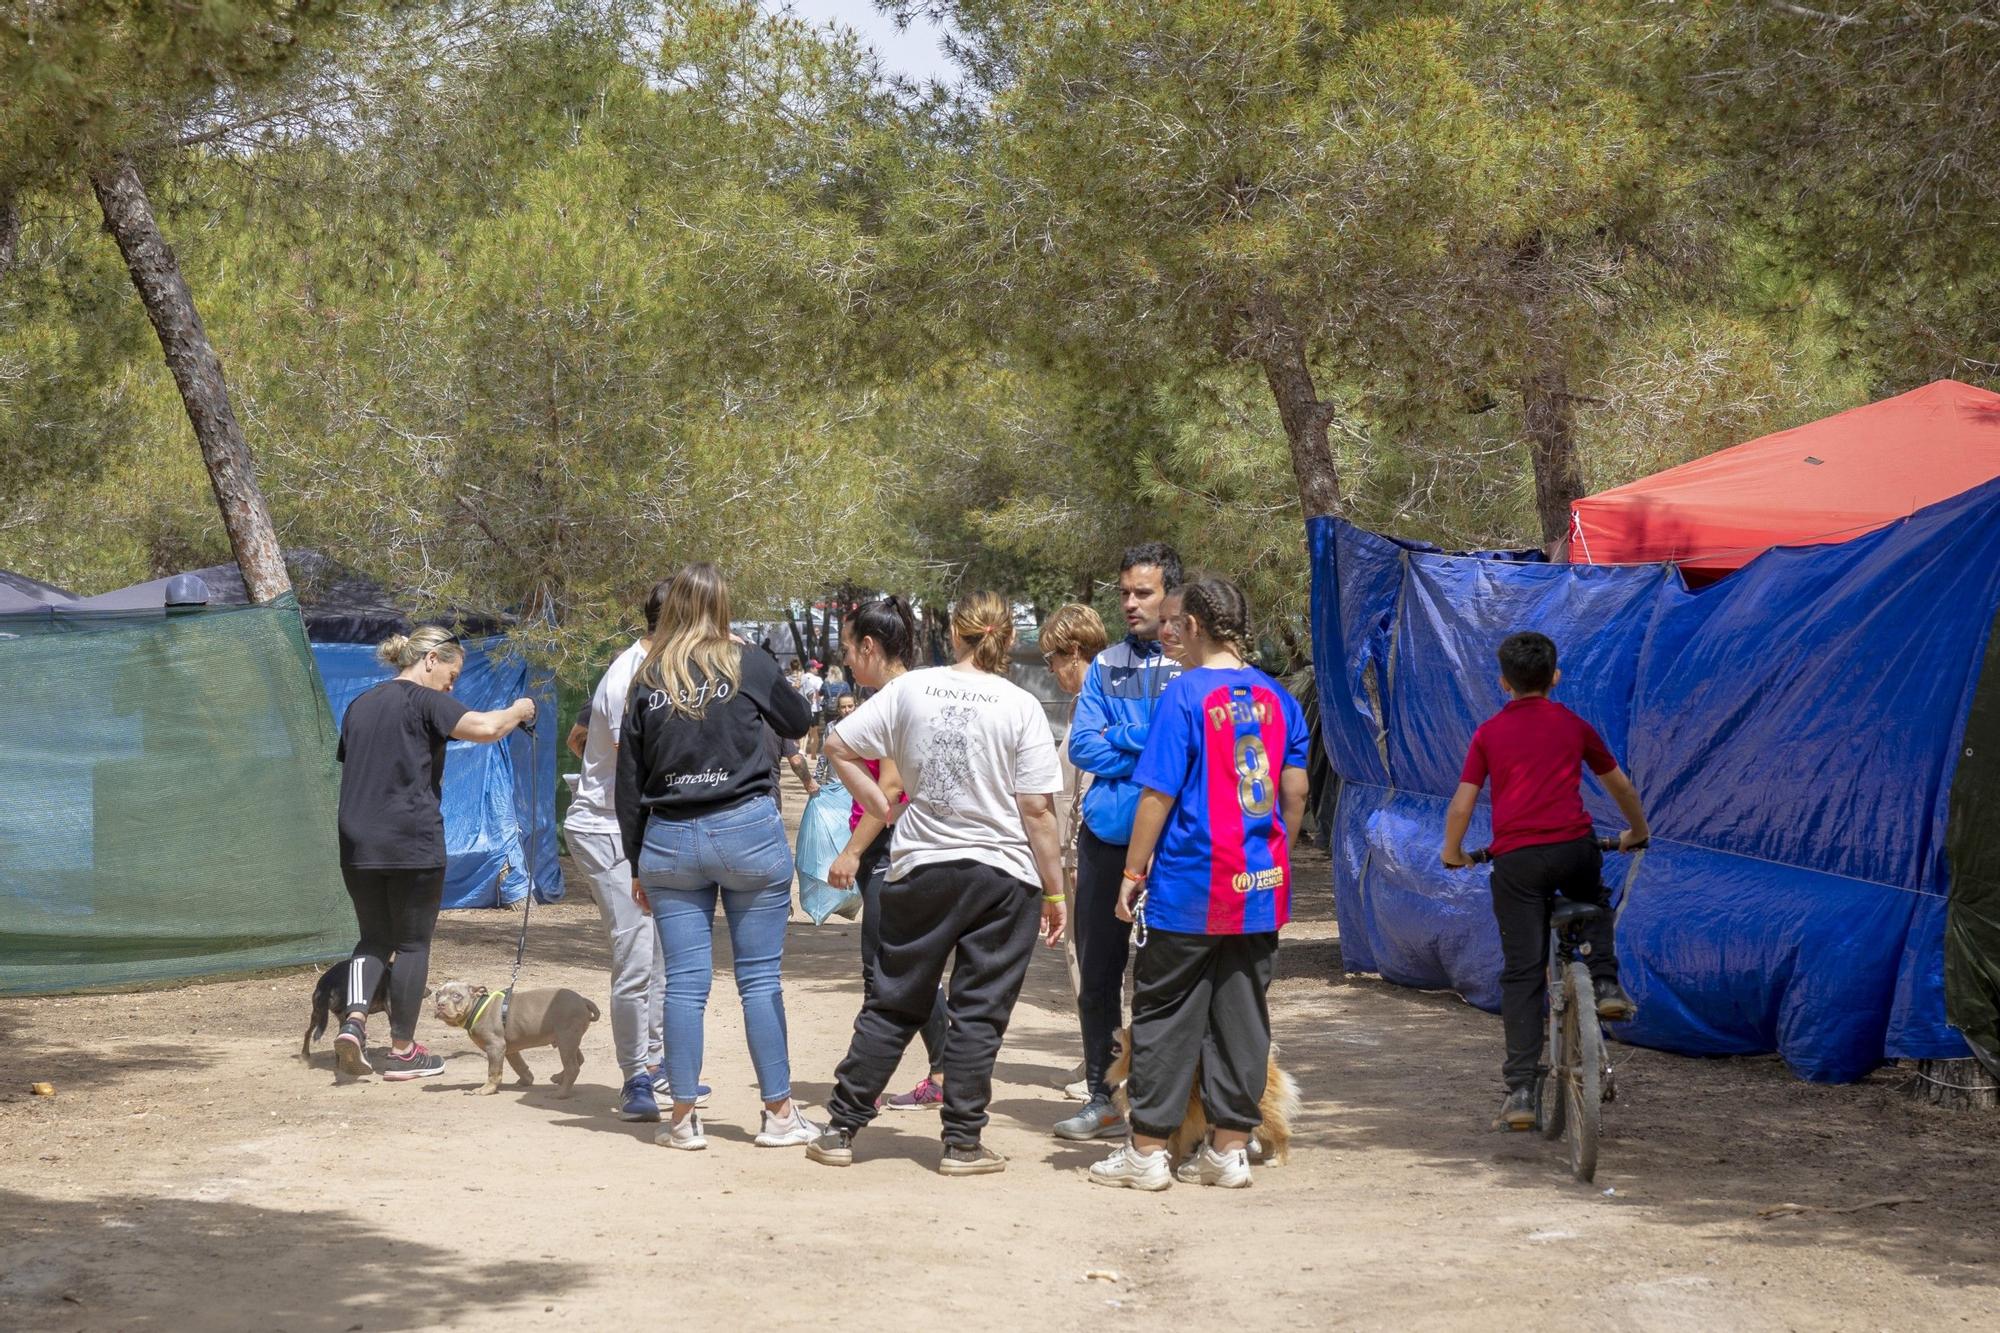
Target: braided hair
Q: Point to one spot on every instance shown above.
(1222, 609)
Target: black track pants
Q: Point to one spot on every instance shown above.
(1201, 999)
(1102, 946)
(1525, 883)
(872, 875)
(983, 922)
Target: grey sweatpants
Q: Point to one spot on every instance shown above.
(1201, 998)
(638, 970)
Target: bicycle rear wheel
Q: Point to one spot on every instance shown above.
(1582, 1073)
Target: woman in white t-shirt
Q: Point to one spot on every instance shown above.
(975, 873)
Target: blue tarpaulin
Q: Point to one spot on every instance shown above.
(1793, 730)
(490, 791)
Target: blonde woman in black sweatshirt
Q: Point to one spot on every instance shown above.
(698, 812)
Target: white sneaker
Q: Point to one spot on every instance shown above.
(1078, 1091)
(1230, 1170)
(788, 1131)
(686, 1135)
(1133, 1169)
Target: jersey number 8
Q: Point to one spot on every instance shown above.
(1255, 791)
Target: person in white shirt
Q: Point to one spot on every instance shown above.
(638, 974)
(813, 686)
(975, 873)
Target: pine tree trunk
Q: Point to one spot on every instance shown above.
(801, 645)
(1282, 355)
(197, 370)
(10, 230)
(1548, 408)
(1549, 416)
(1956, 1085)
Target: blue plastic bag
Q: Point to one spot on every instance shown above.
(823, 834)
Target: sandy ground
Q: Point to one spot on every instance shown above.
(192, 1172)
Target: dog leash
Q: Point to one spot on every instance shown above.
(528, 899)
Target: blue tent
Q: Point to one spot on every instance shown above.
(490, 791)
(1794, 729)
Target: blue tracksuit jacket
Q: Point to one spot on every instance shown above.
(1113, 716)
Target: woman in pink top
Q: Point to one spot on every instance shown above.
(879, 641)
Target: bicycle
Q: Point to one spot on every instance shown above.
(1575, 1079)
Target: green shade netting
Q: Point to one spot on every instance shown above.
(167, 798)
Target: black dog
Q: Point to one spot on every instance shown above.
(330, 996)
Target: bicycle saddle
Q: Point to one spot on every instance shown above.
(1574, 914)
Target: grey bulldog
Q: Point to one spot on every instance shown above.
(555, 1017)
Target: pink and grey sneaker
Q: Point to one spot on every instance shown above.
(926, 1096)
(417, 1062)
(349, 1057)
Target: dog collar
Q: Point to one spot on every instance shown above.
(480, 1008)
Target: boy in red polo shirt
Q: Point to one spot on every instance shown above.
(1533, 751)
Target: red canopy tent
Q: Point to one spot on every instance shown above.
(1825, 482)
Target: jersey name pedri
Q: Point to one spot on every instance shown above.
(1219, 742)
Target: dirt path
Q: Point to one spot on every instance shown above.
(193, 1173)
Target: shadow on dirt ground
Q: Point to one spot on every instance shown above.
(1703, 1144)
(82, 1067)
(311, 1269)
(194, 1173)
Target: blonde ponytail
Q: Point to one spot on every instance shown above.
(403, 651)
(983, 624)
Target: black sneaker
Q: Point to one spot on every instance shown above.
(416, 1062)
(348, 1054)
(833, 1148)
(978, 1160)
(1518, 1111)
(1613, 1004)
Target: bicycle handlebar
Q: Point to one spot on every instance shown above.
(1484, 855)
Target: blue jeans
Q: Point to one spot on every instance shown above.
(739, 853)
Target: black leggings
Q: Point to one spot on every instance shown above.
(397, 911)
(873, 874)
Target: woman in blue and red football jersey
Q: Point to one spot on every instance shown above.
(1208, 878)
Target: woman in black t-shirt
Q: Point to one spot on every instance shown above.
(392, 834)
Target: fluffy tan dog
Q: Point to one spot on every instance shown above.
(555, 1017)
(1270, 1142)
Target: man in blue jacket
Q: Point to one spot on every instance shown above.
(1113, 716)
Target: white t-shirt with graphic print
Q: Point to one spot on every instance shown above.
(966, 744)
